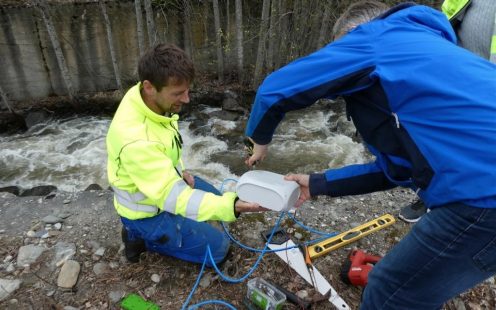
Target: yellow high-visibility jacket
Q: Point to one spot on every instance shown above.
(145, 169)
(452, 8)
(455, 11)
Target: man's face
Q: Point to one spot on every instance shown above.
(171, 98)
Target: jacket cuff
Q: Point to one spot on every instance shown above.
(317, 184)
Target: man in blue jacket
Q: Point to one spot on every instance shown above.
(426, 109)
(474, 22)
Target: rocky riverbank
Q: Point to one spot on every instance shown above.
(63, 251)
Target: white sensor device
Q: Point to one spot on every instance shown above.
(268, 189)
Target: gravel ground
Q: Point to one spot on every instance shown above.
(93, 227)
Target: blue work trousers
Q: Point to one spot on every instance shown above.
(180, 237)
(451, 249)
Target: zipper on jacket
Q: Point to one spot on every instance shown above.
(178, 140)
(396, 119)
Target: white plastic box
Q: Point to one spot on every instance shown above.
(268, 189)
(264, 295)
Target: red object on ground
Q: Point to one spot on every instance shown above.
(356, 269)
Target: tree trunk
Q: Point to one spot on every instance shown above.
(188, 42)
(324, 27)
(228, 18)
(282, 48)
(261, 43)
(227, 34)
(316, 14)
(43, 8)
(139, 27)
(218, 41)
(150, 23)
(272, 35)
(239, 38)
(205, 15)
(111, 45)
(297, 39)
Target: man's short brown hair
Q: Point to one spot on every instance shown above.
(165, 63)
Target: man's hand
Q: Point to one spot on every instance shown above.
(303, 180)
(189, 179)
(259, 153)
(243, 206)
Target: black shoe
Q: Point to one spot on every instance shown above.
(132, 249)
(413, 212)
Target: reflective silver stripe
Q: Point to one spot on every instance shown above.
(171, 201)
(194, 204)
(129, 201)
(135, 197)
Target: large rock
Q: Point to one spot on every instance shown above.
(63, 252)
(10, 189)
(7, 287)
(51, 219)
(231, 104)
(41, 190)
(28, 254)
(11, 122)
(69, 274)
(93, 187)
(37, 117)
(224, 115)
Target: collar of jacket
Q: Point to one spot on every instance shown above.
(455, 9)
(138, 103)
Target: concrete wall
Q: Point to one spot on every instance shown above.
(28, 66)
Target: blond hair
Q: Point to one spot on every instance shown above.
(356, 14)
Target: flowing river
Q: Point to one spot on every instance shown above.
(70, 153)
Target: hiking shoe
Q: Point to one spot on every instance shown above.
(413, 212)
(132, 249)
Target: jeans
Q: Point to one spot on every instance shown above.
(180, 237)
(451, 249)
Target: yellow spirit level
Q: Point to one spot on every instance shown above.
(349, 236)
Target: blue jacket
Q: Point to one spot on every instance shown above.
(425, 107)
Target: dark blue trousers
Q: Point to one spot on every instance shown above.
(180, 237)
(451, 249)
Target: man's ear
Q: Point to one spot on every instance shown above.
(148, 88)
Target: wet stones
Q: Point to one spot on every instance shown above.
(42, 190)
(10, 189)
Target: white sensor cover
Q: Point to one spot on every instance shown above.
(268, 189)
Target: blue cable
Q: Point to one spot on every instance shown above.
(224, 182)
(208, 255)
(207, 302)
(254, 249)
(197, 279)
(310, 229)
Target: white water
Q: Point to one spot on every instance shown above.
(70, 153)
